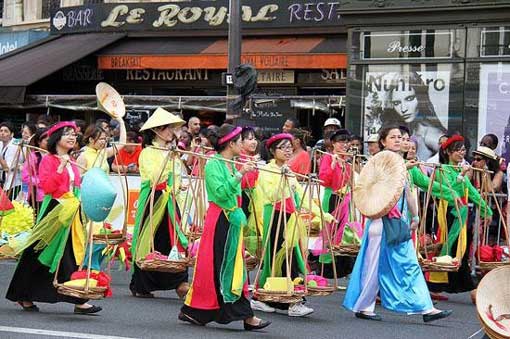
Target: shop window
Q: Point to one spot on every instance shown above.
(493, 114)
(427, 98)
(47, 6)
(495, 41)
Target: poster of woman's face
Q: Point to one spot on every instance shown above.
(415, 99)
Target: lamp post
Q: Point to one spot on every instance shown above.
(234, 50)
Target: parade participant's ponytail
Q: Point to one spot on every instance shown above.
(226, 134)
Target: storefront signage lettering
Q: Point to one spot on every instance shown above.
(407, 45)
(7, 47)
(314, 11)
(275, 77)
(396, 46)
(82, 73)
(173, 75)
(206, 14)
(333, 74)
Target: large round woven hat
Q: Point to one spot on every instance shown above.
(97, 194)
(110, 101)
(380, 184)
(493, 303)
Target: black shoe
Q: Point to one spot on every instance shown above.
(262, 324)
(431, 317)
(375, 317)
(91, 310)
(147, 295)
(187, 318)
(31, 308)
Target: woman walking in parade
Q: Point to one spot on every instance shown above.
(219, 290)
(161, 171)
(270, 196)
(387, 263)
(30, 171)
(57, 241)
(97, 152)
(455, 230)
(335, 174)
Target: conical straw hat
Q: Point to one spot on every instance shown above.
(162, 117)
(493, 302)
(109, 100)
(380, 184)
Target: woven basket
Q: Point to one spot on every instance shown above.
(320, 291)
(109, 239)
(8, 257)
(251, 263)
(167, 266)
(430, 266)
(486, 266)
(93, 293)
(278, 297)
(493, 301)
(434, 249)
(346, 250)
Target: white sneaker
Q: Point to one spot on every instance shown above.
(299, 310)
(260, 306)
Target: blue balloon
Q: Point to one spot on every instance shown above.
(97, 194)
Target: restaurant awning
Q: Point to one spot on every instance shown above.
(211, 53)
(27, 65)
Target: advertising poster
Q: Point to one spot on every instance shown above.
(494, 105)
(416, 99)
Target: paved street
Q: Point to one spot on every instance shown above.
(127, 317)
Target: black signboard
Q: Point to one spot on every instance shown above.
(268, 111)
(193, 15)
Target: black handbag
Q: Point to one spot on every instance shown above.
(396, 230)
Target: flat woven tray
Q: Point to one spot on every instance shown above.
(279, 297)
(168, 266)
(111, 239)
(430, 266)
(93, 293)
(320, 291)
(346, 250)
(490, 265)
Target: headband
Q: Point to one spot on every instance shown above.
(235, 132)
(451, 140)
(278, 137)
(60, 125)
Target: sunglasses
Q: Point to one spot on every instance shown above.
(478, 159)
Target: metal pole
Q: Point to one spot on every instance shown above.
(234, 50)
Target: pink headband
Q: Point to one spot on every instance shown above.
(278, 137)
(235, 132)
(60, 125)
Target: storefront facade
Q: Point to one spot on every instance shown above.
(437, 70)
(178, 50)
